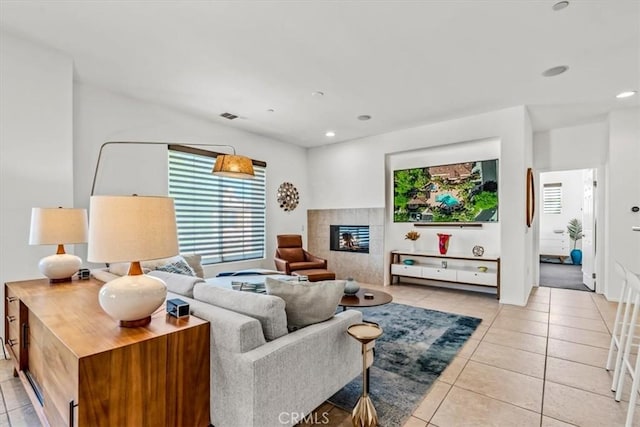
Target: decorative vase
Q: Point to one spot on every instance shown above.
(132, 299)
(351, 287)
(576, 256)
(412, 245)
(443, 243)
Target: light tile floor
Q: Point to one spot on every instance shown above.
(538, 365)
(15, 409)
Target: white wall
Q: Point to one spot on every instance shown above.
(573, 147)
(462, 239)
(354, 175)
(623, 191)
(579, 147)
(572, 197)
(102, 116)
(36, 151)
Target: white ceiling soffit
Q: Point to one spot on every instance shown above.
(405, 63)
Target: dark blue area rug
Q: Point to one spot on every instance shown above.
(416, 346)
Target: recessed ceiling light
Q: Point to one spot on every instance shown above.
(317, 93)
(330, 133)
(554, 71)
(364, 117)
(626, 94)
(560, 5)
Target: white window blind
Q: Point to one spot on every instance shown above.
(552, 198)
(220, 218)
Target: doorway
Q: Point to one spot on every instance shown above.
(567, 229)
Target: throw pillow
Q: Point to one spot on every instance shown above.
(269, 310)
(119, 268)
(307, 303)
(195, 262)
(155, 263)
(178, 267)
(122, 268)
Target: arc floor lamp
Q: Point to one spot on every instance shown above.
(138, 228)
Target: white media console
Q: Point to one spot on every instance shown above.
(447, 268)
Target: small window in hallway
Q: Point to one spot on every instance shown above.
(552, 198)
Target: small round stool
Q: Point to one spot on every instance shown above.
(364, 413)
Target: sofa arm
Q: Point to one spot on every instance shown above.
(312, 258)
(275, 378)
(282, 265)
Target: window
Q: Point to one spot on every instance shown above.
(222, 219)
(552, 198)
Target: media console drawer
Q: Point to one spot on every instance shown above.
(479, 278)
(474, 271)
(439, 274)
(406, 270)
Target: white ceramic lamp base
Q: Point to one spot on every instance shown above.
(59, 267)
(132, 299)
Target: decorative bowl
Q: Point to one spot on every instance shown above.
(483, 269)
(408, 262)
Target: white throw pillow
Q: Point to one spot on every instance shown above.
(119, 268)
(195, 262)
(307, 303)
(122, 268)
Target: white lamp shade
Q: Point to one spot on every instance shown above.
(55, 226)
(131, 228)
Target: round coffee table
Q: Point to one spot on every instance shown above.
(358, 300)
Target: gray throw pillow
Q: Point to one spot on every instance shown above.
(307, 303)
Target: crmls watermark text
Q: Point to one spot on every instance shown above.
(298, 417)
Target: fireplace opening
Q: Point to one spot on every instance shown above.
(349, 238)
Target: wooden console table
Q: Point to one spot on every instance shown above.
(459, 269)
(81, 369)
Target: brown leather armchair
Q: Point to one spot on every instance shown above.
(290, 256)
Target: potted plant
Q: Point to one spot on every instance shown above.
(412, 236)
(574, 228)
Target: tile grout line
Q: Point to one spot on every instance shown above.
(465, 365)
(546, 358)
(4, 402)
(500, 400)
(602, 317)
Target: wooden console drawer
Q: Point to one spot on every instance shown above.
(12, 321)
(80, 368)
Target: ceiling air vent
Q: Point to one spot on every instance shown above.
(228, 116)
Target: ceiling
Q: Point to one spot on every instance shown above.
(405, 63)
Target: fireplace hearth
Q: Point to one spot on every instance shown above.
(349, 238)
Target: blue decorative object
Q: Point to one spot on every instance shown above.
(576, 256)
(409, 262)
(416, 346)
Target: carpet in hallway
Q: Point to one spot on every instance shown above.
(565, 276)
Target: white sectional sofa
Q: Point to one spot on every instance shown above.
(260, 374)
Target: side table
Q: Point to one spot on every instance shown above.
(364, 413)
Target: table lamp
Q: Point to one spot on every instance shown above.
(132, 229)
(58, 226)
